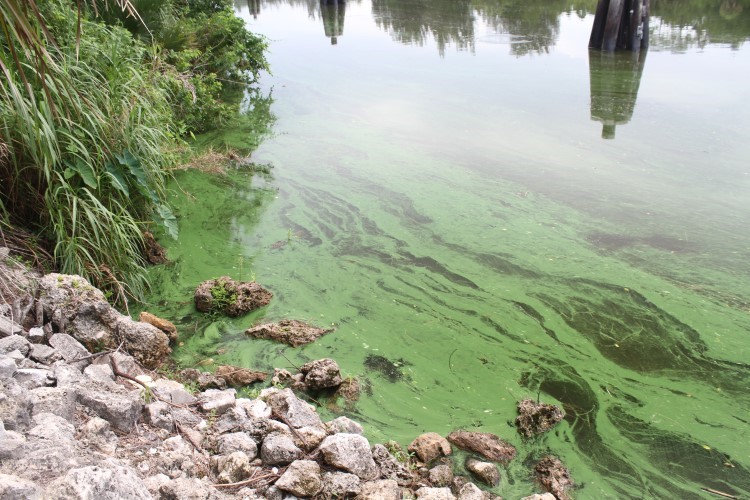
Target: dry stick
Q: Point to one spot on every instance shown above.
(283, 419)
(290, 361)
(124, 375)
(246, 481)
(720, 493)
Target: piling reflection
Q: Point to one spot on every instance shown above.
(614, 80)
(333, 12)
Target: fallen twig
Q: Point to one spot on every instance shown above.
(719, 493)
(245, 482)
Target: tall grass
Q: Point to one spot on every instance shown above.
(84, 126)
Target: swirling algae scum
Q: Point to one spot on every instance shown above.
(452, 308)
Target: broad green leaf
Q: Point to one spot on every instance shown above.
(116, 179)
(167, 219)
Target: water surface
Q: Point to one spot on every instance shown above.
(491, 212)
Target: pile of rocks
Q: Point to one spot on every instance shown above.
(98, 425)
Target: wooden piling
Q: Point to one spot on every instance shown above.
(620, 25)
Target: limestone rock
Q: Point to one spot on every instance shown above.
(237, 376)
(116, 405)
(302, 478)
(554, 476)
(344, 424)
(31, 378)
(279, 449)
(204, 380)
(289, 331)
(441, 476)
(44, 354)
(536, 418)
(116, 483)
(16, 488)
(172, 391)
(162, 324)
(471, 491)
(230, 297)
(36, 335)
(146, 343)
(390, 467)
(70, 349)
(214, 400)
(384, 489)
(254, 408)
(97, 433)
(159, 414)
(234, 467)
(15, 405)
(340, 485)
(350, 453)
(237, 441)
(486, 472)
(430, 446)
(13, 343)
(7, 367)
(488, 445)
(425, 493)
(540, 496)
(189, 489)
(9, 327)
(259, 428)
(230, 421)
(293, 410)
(62, 295)
(321, 374)
(58, 400)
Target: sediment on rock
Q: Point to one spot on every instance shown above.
(288, 331)
(537, 418)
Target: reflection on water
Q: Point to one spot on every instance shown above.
(333, 13)
(614, 79)
(474, 242)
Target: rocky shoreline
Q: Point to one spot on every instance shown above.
(83, 416)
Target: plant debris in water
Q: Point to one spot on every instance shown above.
(389, 369)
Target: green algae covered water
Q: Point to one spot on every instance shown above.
(485, 212)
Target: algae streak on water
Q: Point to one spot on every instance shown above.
(479, 247)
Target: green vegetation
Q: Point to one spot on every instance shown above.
(93, 109)
(222, 296)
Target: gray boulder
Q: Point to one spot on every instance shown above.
(70, 349)
(390, 468)
(98, 483)
(11, 443)
(384, 489)
(62, 295)
(172, 391)
(321, 374)
(302, 478)
(15, 343)
(234, 467)
(16, 488)
(237, 441)
(291, 409)
(115, 404)
(441, 476)
(15, 405)
(254, 408)
(44, 354)
(279, 449)
(58, 400)
(344, 424)
(340, 485)
(471, 491)
(189, 489)
(36, 335)
(97, 433)
(9, 327)
(31, 378)
(435, 494)
(214, 400)
(8, 367)
(159, 414)
(351, 453)
(540, 496)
